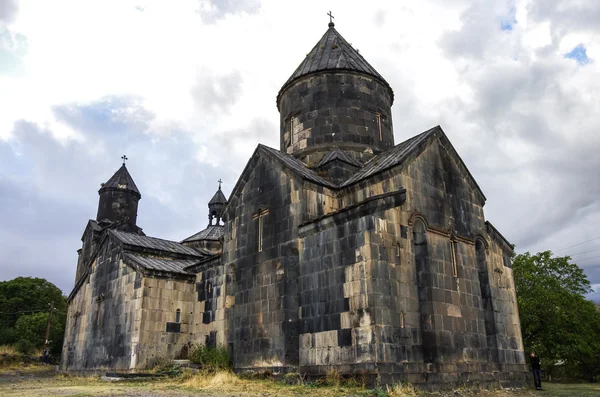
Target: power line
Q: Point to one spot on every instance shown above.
(585, 252)
(25, 311)
(576, 245)
(585, 259)
(30, 311)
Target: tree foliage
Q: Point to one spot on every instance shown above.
(557, 322)
(31, 330)
(24, 305)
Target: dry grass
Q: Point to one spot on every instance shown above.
(221, 384)
(8, 349)
(401, 390)
(227, 383)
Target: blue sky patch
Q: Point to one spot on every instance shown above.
(508, 21)
(579, 54)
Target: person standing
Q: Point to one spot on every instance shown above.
(536, 368)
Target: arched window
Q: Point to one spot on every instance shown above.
(178, 316)
(402, 323)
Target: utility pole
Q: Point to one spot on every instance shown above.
(47, 342)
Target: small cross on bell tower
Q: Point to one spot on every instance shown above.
(331, 17)
(124, 158)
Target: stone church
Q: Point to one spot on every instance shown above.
(341, 250)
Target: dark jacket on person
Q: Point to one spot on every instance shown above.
(535, 363)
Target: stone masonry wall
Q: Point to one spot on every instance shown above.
(505, 309)
(211, 302)
(263, 321)
(104, 316)
(448, 333)
(118, 317)
(161, 299)
(348, 281)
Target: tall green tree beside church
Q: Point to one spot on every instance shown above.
(557, 321)
(24, 305)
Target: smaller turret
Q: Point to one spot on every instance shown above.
(209, 239)
(216, 206)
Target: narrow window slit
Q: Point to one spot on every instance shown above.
(454, 266)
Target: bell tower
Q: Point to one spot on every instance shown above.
(335, 98)
(216, 206)
(118, 201)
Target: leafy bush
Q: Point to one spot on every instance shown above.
(24, 346)
(210, 358)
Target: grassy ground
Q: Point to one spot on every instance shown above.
(41, 381)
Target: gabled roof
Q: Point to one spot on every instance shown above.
(390, 158)
(338, 154)
(121, 180)
(393, 157)
(161, 264)
(154, 243)
(403, 151)
(218, 198)
(287, 161)
(333, 52)
(213, 232)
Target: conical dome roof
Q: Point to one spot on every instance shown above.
(218, 198)
(121, 180)
(333, 52)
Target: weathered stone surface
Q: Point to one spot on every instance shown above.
(340, 251)
(329, 108)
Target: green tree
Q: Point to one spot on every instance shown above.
(31, 330)
(557, 322)
(24, 296)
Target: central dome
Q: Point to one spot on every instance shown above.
(335, 98)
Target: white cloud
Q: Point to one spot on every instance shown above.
(522, 116)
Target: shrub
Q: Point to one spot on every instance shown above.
(25, 346)
(210, 358)
(293, 378)
(333, 377)
(166, 366)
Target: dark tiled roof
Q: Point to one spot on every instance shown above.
(296, 165)
(161, 264)
(154, 243)
(119, 179)
(333, 52)
(213, 232)
(338, 154)
(218, 198)
(390, 158)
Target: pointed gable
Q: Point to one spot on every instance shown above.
(338, 154)
(404, 152)
(287, 162)
(121, 180)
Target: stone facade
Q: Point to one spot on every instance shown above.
(340, 251)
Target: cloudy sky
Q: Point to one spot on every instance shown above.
(187, 90)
